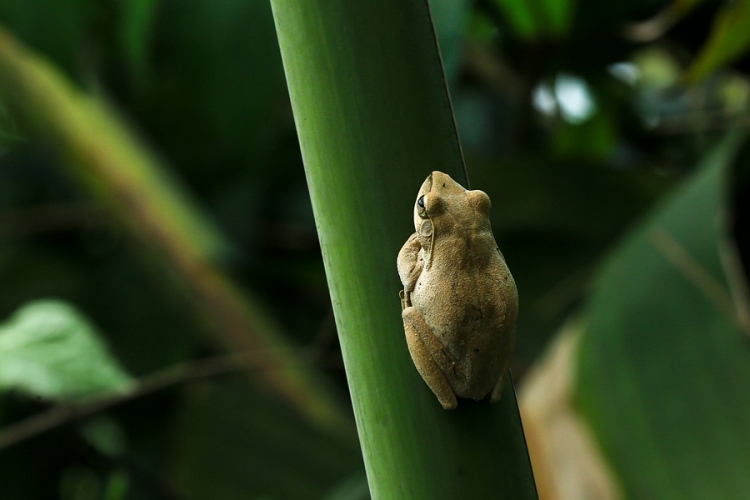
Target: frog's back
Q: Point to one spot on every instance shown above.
(478, 329)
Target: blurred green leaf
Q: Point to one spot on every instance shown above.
(136, 22)
(558, 14)
(105, 435)
(729, 39)
(117, 485)
(47, 349)
(538, 18)
(664, 369)
(521, 17)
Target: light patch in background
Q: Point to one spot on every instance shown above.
(574, 98)
(625, 72)
(543, 100)
(568, 95)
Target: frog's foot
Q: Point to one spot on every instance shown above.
(416, 331)
(405, 299)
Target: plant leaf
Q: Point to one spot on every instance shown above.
(136, 22)
(49, 350)
(664, 368)
(538, 18)
(728, 40)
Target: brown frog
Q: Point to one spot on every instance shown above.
(459, 300)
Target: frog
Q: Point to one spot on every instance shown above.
(459, 302)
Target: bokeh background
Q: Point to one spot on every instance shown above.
(577, 117)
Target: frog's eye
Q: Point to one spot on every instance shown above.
(421, 210)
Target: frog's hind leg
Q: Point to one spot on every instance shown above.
(416, 332)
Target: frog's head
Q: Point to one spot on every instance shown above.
(443, 205)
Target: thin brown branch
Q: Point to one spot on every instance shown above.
(701, 121)
(695, 272)
(64, 414)
(52, 218)
(738, 284)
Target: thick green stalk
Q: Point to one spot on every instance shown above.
(374, 118)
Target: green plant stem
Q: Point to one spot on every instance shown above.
(374, 118)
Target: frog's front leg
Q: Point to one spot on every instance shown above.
(410, 265)
(422, 347)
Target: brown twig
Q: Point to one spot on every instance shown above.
(64, 414)
(44, 219)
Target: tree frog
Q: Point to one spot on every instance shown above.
(459, 302)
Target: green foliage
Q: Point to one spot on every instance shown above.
(136, 25)
(48, 350)
(728, 41)
(197, 87)
(664, 361)
(538, 18)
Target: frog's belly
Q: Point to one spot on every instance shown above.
(473, 315)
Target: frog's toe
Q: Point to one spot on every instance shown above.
(449, 403)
